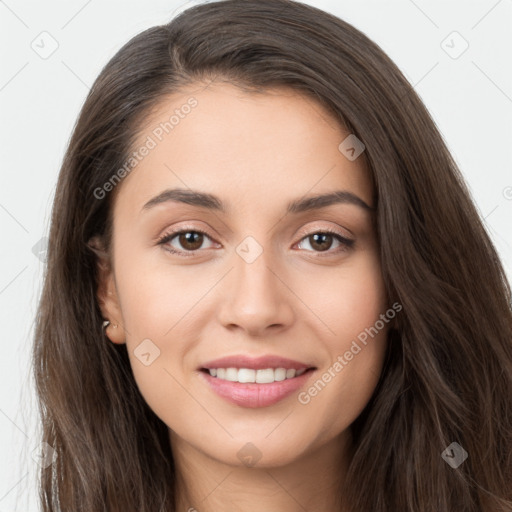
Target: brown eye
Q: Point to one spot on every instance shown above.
(190, 240)
(185, 242)
(322, 241)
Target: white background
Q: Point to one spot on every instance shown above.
(469, 97)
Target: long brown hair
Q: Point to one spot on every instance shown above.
(448, 372)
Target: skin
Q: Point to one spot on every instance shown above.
(256, 152)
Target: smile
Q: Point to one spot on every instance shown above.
(255, 394)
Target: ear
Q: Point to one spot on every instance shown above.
(106, 292)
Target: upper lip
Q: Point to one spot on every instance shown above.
(255, 363)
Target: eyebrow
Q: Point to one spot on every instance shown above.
(212, 202)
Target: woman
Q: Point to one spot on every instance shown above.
(267, 286)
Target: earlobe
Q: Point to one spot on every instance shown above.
(109, 305)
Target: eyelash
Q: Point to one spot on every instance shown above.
(346, 243)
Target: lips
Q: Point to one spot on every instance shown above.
(255, 363)
(253, 396)
(256, 394)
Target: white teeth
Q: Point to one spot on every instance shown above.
(279, 374)
(246, 375)
(231, 374)
(264, 376)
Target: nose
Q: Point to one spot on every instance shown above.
(256, 298)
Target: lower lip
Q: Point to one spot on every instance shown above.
(254, 395)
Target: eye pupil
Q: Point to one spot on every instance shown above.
(322, 237)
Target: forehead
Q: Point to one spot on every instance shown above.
(255, 150)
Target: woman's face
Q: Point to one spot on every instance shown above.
(263, 281)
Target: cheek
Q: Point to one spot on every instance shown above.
(346, 299)
(155, 294)
(356, 341)
(362, 338)
(151, 309)
(163, 308)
